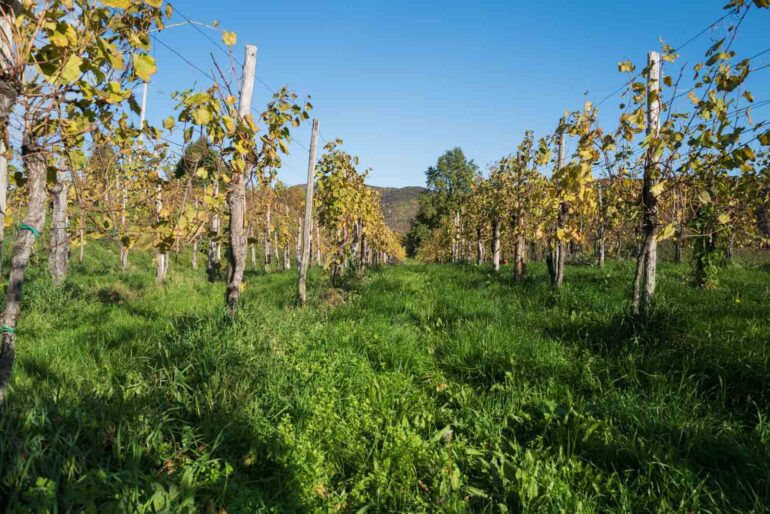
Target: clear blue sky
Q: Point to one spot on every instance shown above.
(403, 81)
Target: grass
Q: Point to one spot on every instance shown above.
(420, 388)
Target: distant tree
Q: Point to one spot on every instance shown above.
(449, 184)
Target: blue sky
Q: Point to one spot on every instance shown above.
(401, 82)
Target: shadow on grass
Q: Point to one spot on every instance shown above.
(167, 427)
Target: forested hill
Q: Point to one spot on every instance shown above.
(399, 205)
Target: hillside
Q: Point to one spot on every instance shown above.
(399, 205)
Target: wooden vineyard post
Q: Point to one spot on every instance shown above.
(8, 95)
(35, 160)
(58, 259)
(318, 256)
(563, 213)
(558, 248)
(306, 232)
(236, 198)
(601, 241)
(161, 257)
(644, 280)
(299, 239)
(214, 254)
(496, 244)
(268, 233)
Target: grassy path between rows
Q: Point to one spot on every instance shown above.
(419, 388)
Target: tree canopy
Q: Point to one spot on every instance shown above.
(449, 183)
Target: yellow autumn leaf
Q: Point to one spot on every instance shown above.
(114, 93)
(117, 4)
(670, 57)
(704, 197)
(667, 233)
(229, 124)
(229, 38)
(64, 36)
(658, 188)
(240, 148)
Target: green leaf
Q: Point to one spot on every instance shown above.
(169, 123)
(70, 72)
(144, 66)
(201, 116)
(77, 158)
(110, 51)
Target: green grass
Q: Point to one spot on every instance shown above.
(420, 388)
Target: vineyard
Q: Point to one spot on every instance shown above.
(581, 326)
